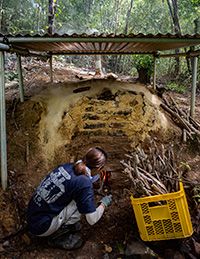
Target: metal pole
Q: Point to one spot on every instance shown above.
(185, 41)
(102, 53)
(194, 80)
(20, 76)
(51, 68)
(4, 47)
(3, 122)
(154, 72)
(189, 53)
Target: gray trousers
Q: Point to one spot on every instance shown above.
(69, 215)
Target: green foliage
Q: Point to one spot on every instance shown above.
(196, 195)
(185, 164)
(195, 138)
(11, 75)
(147, 16)
(176, 87)
(143, 61)
(120, 248)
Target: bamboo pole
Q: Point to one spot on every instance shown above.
(20, 76)
(3, 122)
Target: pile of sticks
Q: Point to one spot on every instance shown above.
(154, 174)
(190, 127)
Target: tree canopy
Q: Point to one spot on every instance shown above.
(113, 16)
(103, 16)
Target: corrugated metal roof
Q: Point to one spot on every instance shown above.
(100, 44)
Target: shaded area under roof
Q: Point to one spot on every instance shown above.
(83, 44)
(102, 44)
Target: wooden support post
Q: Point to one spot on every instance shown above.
(154, 72)
(3, 122)
(51, 68)
(20, 76)
(194, 80)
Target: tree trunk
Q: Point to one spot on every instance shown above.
(90, 6)
(113, 63)
(128, 16)
(98, 68)
(101, 17)
(177, 28)
(1, 6)
(55, 10)
(38, 22)
(51, 17)
(117, 3)
(196, 26)
(117, 16)
(119, 57)
(84, 7)
(144, 77)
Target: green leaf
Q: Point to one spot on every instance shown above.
(120, 248)
(185, 164)
(196, 196)
(60, 24)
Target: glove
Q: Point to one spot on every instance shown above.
(106, 200)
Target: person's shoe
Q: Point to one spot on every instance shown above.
(73, 228)
(66, 229)
(68, 242)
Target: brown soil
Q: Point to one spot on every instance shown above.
(26, 169)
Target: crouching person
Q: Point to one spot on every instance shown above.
(55, 209)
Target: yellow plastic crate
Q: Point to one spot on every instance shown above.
(161, 222)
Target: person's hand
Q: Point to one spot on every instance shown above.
(106, 200)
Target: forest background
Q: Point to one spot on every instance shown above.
(113, 16)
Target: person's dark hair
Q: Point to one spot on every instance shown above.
(94, 158)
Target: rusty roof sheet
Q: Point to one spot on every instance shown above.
(99, 44)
